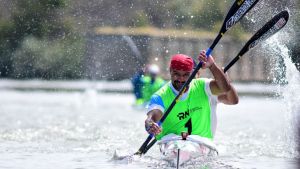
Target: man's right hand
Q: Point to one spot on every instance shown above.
(152, 127)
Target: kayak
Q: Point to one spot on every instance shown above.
(178, 151)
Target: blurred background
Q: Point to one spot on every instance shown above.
(75, 39)
(67, 67)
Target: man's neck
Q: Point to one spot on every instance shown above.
(184, 95)
(177, 91)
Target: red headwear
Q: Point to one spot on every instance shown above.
(182, 62)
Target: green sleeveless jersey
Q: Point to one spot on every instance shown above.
(190, 115)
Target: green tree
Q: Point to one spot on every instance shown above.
(42, 23)
(207, 15)
(6, 47)
(39, 18)
(60, 59)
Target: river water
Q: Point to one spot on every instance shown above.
(81, 130)
(42, 128)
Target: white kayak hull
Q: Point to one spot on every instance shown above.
(191, 148)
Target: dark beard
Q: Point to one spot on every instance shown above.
(178, 85)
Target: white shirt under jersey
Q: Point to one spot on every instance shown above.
(156, 103)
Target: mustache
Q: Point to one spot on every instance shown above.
(178, 82)
(178, 85)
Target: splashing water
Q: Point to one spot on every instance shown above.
(284, 72)
(290, 77)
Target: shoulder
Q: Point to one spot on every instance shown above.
(163, 89)
(155, 102)
(201, 82)
(155, 98)
(204, 83)
(208, 91)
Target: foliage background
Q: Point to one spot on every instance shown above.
(46, 38)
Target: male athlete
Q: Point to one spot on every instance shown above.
(195, 111)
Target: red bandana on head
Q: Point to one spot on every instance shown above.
(182, 62)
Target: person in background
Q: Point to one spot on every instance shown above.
(193, 113)
(137, 86)
(151, 82)
(145, 83)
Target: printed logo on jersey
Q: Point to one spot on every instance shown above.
(183, 115)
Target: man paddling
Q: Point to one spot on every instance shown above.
(194, 113)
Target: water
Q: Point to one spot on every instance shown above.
(45, 130)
